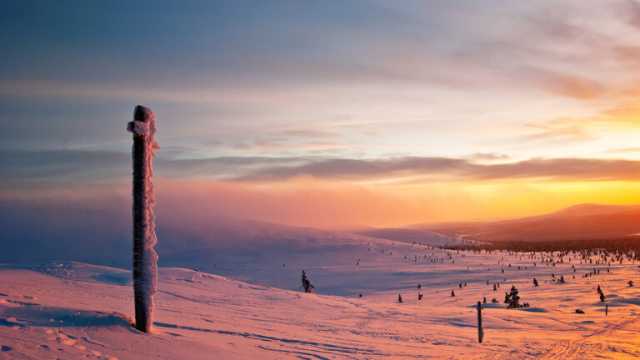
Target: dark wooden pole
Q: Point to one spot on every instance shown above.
(145, 258)
(480, 330)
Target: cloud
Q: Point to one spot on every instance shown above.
(624, 150)
(557, 130)
(625, 112)
(411, 54)
(553, 50)
(227, 167)
(630, 9)
(354, 169)
(628, 54)
(28, 168)
(456, 169)
(622, 115)
(481, 156)
(31, 167)
(562, 169)
(572, 86)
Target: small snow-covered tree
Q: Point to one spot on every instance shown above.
(512, 298)
(600, 294)
(306, 284)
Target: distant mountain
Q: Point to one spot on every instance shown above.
(594, 209)
(579, 222)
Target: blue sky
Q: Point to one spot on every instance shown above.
(220, 69)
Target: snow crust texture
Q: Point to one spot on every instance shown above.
(79, 311)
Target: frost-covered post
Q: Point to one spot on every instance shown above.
(480, 330)
(145, 258)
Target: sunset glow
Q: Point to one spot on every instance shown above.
(379, 116)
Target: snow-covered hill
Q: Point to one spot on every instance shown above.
(77, 311)
(579, 222)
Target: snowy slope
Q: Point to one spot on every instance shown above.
(413, 235)
(75, 310)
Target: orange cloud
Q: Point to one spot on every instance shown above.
(573, 86)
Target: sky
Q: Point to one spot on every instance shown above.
(324, 114)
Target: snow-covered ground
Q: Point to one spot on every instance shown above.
(76, 310)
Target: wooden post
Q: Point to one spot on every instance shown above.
(606, 309)
(480, 330)
(145, 258)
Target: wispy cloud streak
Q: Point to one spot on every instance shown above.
(32, 167)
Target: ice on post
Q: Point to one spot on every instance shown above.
(145, 258)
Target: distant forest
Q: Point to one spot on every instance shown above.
(628, 243)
